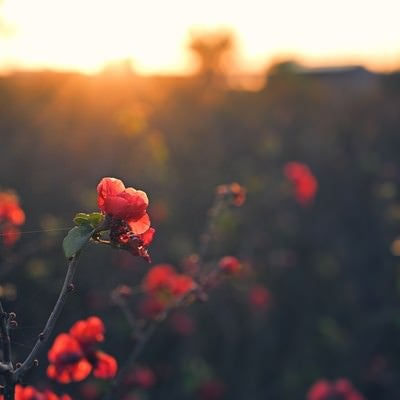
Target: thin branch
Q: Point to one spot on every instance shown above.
(9, 386)
(50, 324)
(5, 336)
(121, 303)
(209, 232)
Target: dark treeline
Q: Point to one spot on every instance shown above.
(331, 268)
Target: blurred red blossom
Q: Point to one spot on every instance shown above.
(163, 282)
(142, 377)
(30, 393)
(234, 192)
(212, 389)
(163, 287)
(304, 182)
(230, 265)
(11, 216)
(259, 297)
(72, 356)
(88, 331)
(182, 323)
(341, 389)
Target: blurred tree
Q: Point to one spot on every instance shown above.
(213, 52)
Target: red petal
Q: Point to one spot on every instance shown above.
(108, 187)
(64, 346)
(105, 366)
(147, 237)
(158, 277)
(116, 206)
(141, 225)
(88, 331)
(70, 373)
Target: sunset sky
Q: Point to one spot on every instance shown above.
(86, 34)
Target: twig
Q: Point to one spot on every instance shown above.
(8, 371)
(209, 231)
(121, 303)
(50, 324)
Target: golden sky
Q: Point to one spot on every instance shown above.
(86, 34)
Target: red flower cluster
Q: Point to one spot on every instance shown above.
(164, 286)
(11, 216)
(230, 265)
(234, 192)
(342, 389)
(30, 393)
(127, 209)
(305, 183)
(72, 356)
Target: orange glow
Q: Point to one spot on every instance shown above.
(86, 35)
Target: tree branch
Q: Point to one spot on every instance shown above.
(6, 347)
(50, 324)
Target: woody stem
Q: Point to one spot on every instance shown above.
(51, 322)
(7, 368)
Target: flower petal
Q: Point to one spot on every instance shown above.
(105, 366)
(141, 225)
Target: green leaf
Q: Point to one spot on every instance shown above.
(76, 238)
(82, 219)
(96, 219)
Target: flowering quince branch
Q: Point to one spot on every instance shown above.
(122, 223)
(123, 214)
(169, 290)
(226, 195)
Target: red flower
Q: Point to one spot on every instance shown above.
(10, 209)
(158, 277)
(89, 331)
(163, 287)
(72, 357)
(321, 390)
(67, 360)
(11, 216)
(104, 366)
(342, 389)
(180, 285)
(305, 183)
(230, 265)
(30, 393)
(259, 297)
(164, 283)
(122, 203)
(233, 192)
